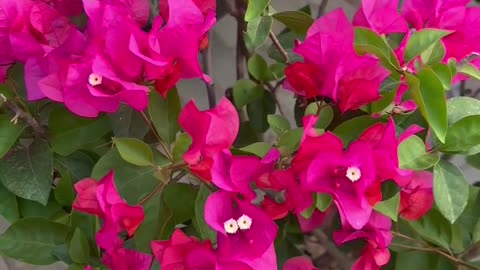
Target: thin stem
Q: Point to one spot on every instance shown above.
(207, 66)
(458, 261)
(155, 133)
(240, 49)
(160, 187)
(332, 249)
(321, 8)
(279, 47)
(27, 117)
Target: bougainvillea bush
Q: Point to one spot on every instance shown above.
(102, 167)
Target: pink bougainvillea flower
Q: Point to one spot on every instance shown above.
(212, 131)
(236, 173)
(345, 175)
(93, 87)
(110, 29)
(304, 79)
(465, 41)
(381, 16)
(126, 259)
(184, 252)
(102, 199)
(296, 198)
(299, 263)
(416, 197)
(429, 13)
(332, 68)
(359, 81)
(67, 8)
(310, 224)
(378, 237)
(372, 258)
(407, 105)
(172, 49)
(243, 230)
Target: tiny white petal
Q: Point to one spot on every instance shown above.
(244, 222)
(94, 79)
(353, 173)
(230, 226)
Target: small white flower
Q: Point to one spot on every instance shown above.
(244, 222)
(353, 173)
(230, 226)
(94, 79)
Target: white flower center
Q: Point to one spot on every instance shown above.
(353, 173)
(94, 79)
(230, 226)
(244, 222)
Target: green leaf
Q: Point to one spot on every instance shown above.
(181, 146)
(258, 67)
(462, 135)
(421, 40)
(89, 226)
(200, 224)
(70, 132)
(445, 75)
(33, 240)
(412, 155)
(297, 21)
(260, 148)
(28, 172)
(164, 114)
(128, 123)
(434, 54)
(389, 207)
(434, 228)
(278, 123)
(246, 135)
(476, 233)
(325, 116)
(416, 260)
(259, 110)
(79, 250)
(184, 193)
(350, 129)
(9, 134)
(461, 107)
(64, 193)
(155, 213)
(323, 202)
(290, 141)
(450, 190)
(470, 70)
(367, 41)
(246, 92)
(132, 181)
(52, 211)
(78, 165)
(428, 93)
(257, 31)
(255, 9)
(8, 205)
(134, 151)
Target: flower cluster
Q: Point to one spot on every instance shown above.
(107, 60)
(111, 59)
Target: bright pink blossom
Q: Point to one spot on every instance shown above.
(102, 199)
(380, 15)
(299, 263)
(416, 197)
(243, 230)
(212, 131)
(332, 68)
(126, 259)
(236, 173)
(345, 175)
(172, 49)
(378, 237)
